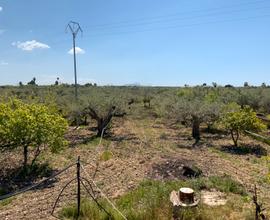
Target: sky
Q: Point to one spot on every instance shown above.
(146, 42)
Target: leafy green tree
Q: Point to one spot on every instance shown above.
(237, 120)
(264, 102)
(196, 112)
(102, 106)
(195, 106)
(250, 96)
(30, 127)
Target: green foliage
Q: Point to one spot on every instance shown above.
(199, 102)
(33, 126)
(238, 120)
(195, 106)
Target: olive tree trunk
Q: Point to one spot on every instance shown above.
(235, 137)
(25, 156)
(196, 128)
(102, 122)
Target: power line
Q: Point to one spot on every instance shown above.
(179, 26)
(172, 26)
(104, 25)
(101, 30)
(149, 22)
(175, 17)
(169, 22)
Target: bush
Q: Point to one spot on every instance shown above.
(238, 120)
(30, 126)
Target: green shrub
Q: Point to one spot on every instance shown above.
(238, 120)
(30, 126)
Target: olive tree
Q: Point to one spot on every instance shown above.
(103, 105)
(237, 120)
(194, 106)
(264, 101)
(30, 127)
(195, 112)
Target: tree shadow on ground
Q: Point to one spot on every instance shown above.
(17, 178)
(213, 136)
(256, 150)
(210, 130)
(81, 139)
(191, 143)
(85, 137)
(125, 137)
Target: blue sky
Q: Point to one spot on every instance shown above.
(153, 42)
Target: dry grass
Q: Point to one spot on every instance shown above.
(136, 145)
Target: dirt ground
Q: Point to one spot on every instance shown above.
(140, 149)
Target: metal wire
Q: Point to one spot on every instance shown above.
(35, 185)
(102, 194)
(54, 206)
(95, 200)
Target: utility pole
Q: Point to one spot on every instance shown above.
(74, 28)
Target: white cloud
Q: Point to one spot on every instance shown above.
(3, 63)
(77, 51)
(1, 8)
(30, 45)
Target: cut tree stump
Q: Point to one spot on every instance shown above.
(186, 195)
(184, 198)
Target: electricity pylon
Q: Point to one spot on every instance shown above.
(74, 28)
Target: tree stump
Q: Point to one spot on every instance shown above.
(186, 195)
(184, 198)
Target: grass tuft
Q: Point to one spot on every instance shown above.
(106, 155)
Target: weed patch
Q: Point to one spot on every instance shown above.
(106, 155)
(150, 200)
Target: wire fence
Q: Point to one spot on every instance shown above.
(28, 188)
(88, 183)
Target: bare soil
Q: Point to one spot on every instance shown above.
(141, 149)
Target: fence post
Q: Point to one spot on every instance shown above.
(78, 187)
